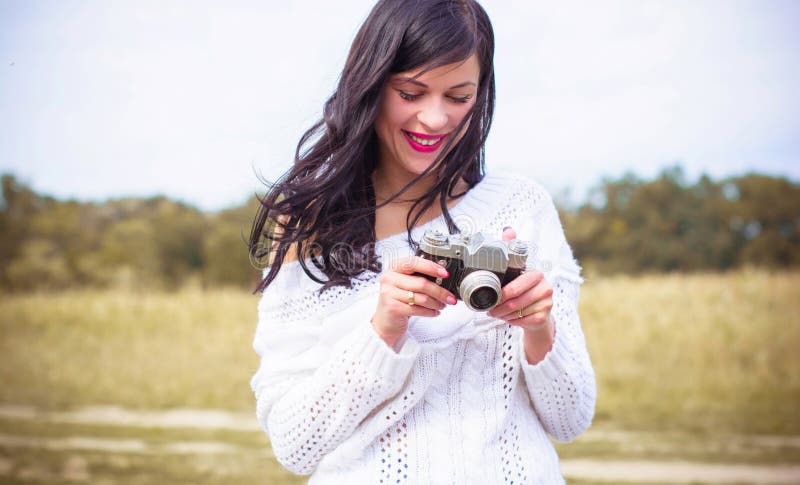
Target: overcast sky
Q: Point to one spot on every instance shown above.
(190, 98)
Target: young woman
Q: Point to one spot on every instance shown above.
(370, 372)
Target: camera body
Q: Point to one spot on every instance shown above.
(478, 267)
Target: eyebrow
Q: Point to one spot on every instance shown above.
(423, 85)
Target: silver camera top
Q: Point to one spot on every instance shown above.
(476, 251)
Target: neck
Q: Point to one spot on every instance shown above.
(388, 183)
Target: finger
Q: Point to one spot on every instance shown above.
(539, 293)
(418, 284)
(510, 299)
(419, 299)
(537, 298)
(543, 305)
(533, 321)
(416, 264)
(509, 233)
(522, 283)
(402, 308)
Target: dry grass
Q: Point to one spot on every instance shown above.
(142, 350)
(703, 353)
(698, 352)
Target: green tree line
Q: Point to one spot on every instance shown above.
(630, 225)
(627, 225)
(134, 243)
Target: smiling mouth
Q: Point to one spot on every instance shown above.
(423, 143)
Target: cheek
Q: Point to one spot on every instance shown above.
(392, 110)
(460, 116)
(395, 113)
(383, 123)
(463, 110)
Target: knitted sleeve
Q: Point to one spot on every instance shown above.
(562, 385)
(320, 375)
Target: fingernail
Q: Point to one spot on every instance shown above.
(506, 228)
(443, 273)
(451, 300)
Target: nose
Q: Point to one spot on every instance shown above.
(433, 115)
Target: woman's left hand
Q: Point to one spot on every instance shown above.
(526, 301)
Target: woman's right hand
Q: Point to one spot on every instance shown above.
(400, 287)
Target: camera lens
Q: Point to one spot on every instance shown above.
(480, 290)
(483, 298)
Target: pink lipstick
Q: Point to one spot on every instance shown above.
(422, 142)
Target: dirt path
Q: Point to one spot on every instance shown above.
(615, 471)
(117, 416)
(612, 471)
(120, 445)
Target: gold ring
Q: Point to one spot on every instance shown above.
(410, 298)
(519, 313)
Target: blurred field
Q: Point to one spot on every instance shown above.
(140, 350)
(707, 353)
(692, 359)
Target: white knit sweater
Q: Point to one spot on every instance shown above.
(457, 402)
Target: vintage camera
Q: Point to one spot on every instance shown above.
(478, 268)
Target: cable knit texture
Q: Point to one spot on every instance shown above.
(461, 406)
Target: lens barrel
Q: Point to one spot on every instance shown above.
(480, 290)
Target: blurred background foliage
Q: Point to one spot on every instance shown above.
(626, 225)
(133, 243)
(668, 224)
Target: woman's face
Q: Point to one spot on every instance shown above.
(418, 115)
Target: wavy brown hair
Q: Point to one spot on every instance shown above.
(324, 206)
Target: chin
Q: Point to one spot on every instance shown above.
(416, 164)
(419, 169)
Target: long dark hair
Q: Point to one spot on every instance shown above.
(325, 204)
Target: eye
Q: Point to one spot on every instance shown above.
(461, 99)
(408, 96)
